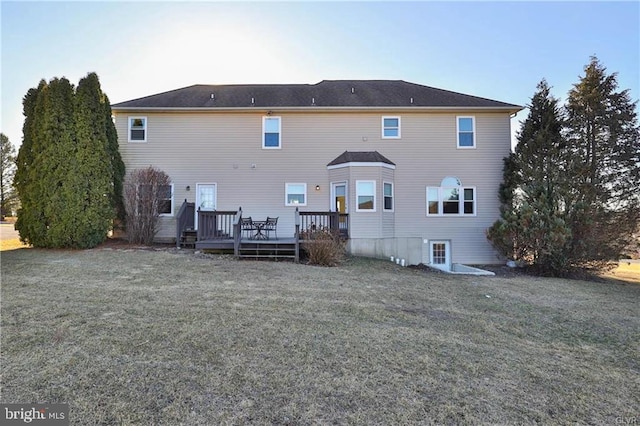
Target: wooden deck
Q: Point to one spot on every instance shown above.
(223, 231)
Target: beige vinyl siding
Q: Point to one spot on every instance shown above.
(388, 217)
(480, 168)
(222, 147)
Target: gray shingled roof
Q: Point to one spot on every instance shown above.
(327, 93)
(360, 157)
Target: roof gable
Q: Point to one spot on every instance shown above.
(327, 93)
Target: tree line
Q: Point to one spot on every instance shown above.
(69, 174)
(570, 197)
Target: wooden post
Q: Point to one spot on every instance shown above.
(297, 235)
(237, 232)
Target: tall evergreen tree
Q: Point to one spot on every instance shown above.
(55, 163)
(7, 171)
(531, 227)
(65, 174)
(30, 219)
(90, 183)
(48, 130)
(113, 153)
(604, 139)
(570, 193)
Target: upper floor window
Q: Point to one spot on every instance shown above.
(366, 196)
(390, 127)
(271, 131)
(451, 198)
(387, 189)
(466, 132)
(295, 194)
(137, 129)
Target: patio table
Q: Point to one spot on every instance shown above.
(259, 228)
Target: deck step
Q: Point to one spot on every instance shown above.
(189, 238)
(267, 250)
(252, 249)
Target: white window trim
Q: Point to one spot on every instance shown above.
(393, 197)
(460, 201)
(475, 135)
(172, 203)
(358, 164)
(145, 128)
(333, 195)
(264, 121)
(286, 194)
(374, 197)
(198, 201)
(399, 127)
(447, 265)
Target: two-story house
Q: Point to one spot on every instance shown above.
(416, 169)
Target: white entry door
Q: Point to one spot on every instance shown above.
(206, 198)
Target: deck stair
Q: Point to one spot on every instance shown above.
(267, 249)
(188, 238)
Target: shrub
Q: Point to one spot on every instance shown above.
(144, 192)
(324, 248)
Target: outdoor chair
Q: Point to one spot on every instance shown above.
(247, 226)
(271, 226)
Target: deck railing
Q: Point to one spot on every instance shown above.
(184, 219)
(216, 225)
(334, 222)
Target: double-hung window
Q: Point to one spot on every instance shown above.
(271, 133)
(148, 198)
(366, 195)
(451, 199)
(390, 127)
(466, 127)
(165, 200)
(387, 189)
(137, 129)
(295, 194)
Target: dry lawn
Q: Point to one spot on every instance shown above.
(626, 271)
(129, 336)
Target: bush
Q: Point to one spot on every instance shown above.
(324, 248)
(144, 192)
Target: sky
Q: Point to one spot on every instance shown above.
(497, 50)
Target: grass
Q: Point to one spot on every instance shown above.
(130, 336)
(626, 271)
